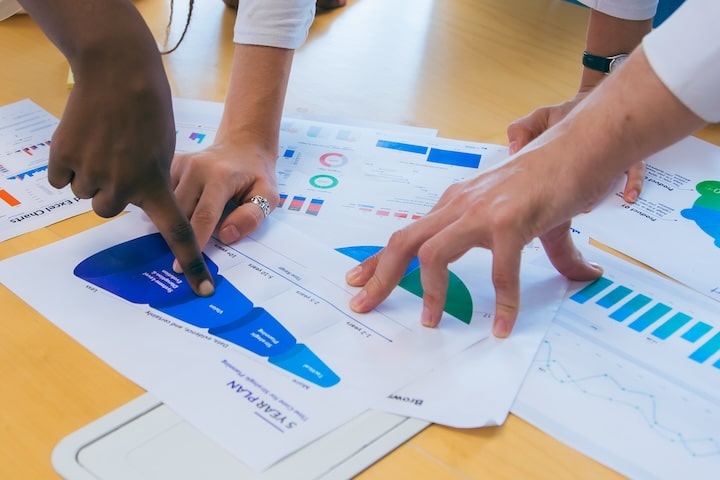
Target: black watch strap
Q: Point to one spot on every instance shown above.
(601, 64)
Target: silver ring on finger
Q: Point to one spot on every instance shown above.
(261, 202)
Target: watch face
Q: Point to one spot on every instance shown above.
(617, 61)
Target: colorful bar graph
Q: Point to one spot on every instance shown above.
(314, 207)
(631, 307)
(696, 332)
(707, 350)
(588, 292)
(29, 150)
(296, 203)
(671, 326)
(649, 317)
(6, 197)
(617, 294)
(283, 197)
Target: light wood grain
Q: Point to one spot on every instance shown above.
(466, 67)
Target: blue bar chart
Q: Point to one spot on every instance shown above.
(656, 319)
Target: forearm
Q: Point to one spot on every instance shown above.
(630, 116)
(608, 35)
(97, 35)
(255, 98)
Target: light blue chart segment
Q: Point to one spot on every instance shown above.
(696, 332)
(651, 316)
(707, 350)
(612, 298)
(671, 326)
(301, 361)
(631, 307)
(588, 292)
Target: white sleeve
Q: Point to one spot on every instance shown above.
(685, 53)
(625, 9)
(8, 8)
(274, 23)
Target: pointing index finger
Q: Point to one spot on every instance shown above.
(175, 228)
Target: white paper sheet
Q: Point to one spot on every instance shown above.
(27, 201)
(674, 226)
(629, 373)
(269, 363)
(352, 187)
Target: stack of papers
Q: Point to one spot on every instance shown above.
(282, 360)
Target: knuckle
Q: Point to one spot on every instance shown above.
(204, 216)
(400, 239)
(428, 253)
(195, 267)
(182, 232)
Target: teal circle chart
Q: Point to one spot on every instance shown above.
(323, 181)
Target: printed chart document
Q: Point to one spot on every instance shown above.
(629, 373)
(273, 360)
(27, 200)
(679, 209)
(351, 187)
(477, 386)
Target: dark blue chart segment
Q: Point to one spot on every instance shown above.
(435, 155)
(140, 271)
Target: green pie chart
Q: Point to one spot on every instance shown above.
(458, 302)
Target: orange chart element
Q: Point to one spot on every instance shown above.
(9, 199)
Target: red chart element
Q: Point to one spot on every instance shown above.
(333, 159)
(6, 197)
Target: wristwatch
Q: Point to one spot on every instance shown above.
(603, 64)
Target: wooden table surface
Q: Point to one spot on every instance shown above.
(465, 67)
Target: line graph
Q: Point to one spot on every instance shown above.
(608, 405)
(623, 394)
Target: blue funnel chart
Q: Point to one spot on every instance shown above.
(458, 302)
(140, 271)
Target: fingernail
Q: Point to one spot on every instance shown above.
(206, 288)
(356, 303)
(632, 196)
(513, 147)
(500, 328)
(353, 273)
(176, 266)
(229, 234)
(426, 318)
(597, 267)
